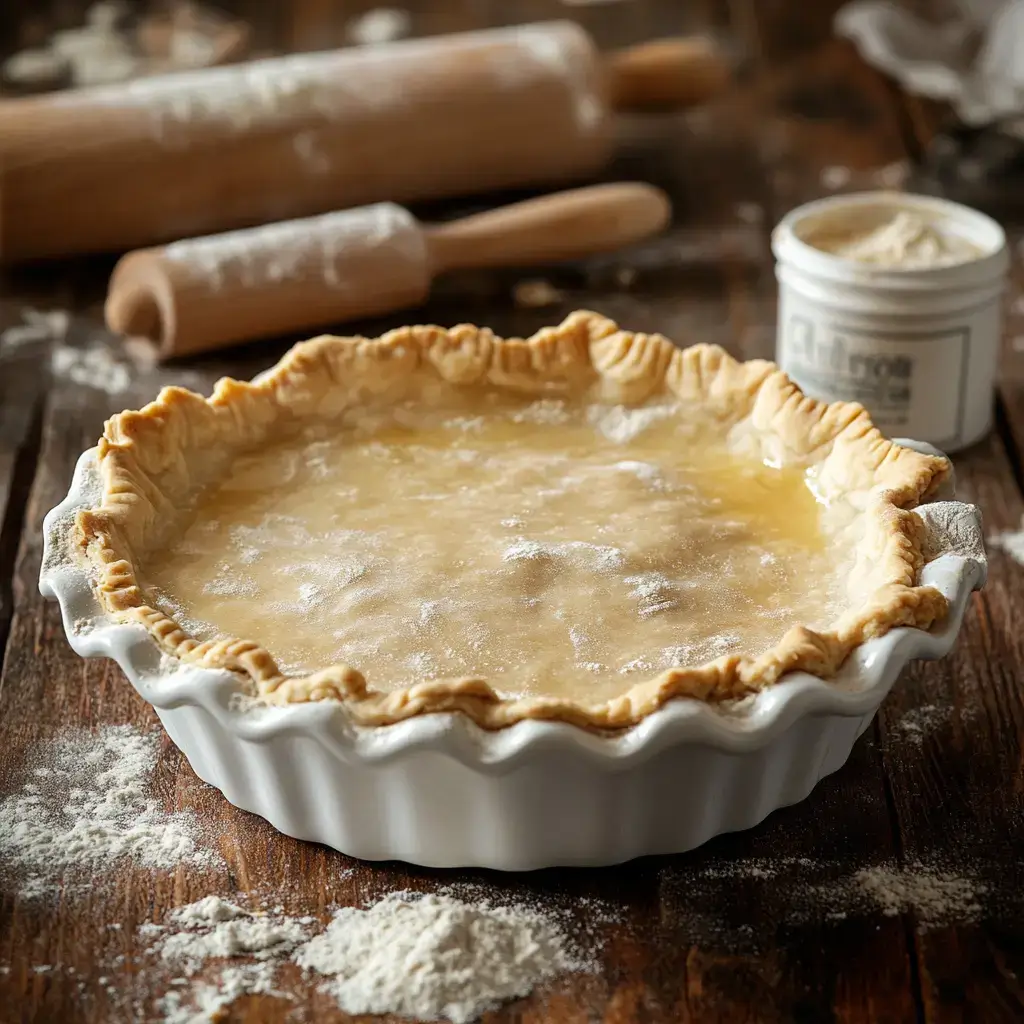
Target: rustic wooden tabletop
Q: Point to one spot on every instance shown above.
(744, 928)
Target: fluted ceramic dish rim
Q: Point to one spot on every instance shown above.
(858, 689)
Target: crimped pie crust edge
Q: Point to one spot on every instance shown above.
(141, 460)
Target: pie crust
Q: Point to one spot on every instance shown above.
(182, 443)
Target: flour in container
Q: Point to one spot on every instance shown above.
(905, 240)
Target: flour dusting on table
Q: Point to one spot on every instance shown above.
(1010, 541)
(86, 803)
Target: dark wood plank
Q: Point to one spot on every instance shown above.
(24, 372)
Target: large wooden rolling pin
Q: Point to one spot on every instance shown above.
(201, 294)
(110, 168)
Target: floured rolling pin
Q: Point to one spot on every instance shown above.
(155, 159)
(204, 293)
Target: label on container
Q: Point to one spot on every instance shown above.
(913, 384)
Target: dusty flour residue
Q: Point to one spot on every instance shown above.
(207, 1001)
(294, 249)
(891, 177)
(37, 326)
(798, 891)
(1011, 542)
(92, 367)
(214, 929)
(933, 897)
(599, 557)
(379, 25)
(916, 725)
(621, 424)
(86, 804)
(536, 293)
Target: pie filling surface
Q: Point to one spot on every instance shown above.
(580, 526)
(555, 548)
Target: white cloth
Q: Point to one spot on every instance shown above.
(974, 60)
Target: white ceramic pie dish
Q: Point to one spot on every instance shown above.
(437, 790)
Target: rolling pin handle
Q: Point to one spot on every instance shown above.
(562, 226)
(668, 73)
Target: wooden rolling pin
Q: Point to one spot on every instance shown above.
(155, 159)
(201, 294)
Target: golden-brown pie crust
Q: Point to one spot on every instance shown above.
(148, 459)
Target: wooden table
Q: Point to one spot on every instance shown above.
(716, 934)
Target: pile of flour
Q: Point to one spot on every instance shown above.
(435, 957)
(426, 957)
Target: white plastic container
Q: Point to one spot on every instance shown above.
(916, 346)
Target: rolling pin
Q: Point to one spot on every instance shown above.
(154, 159)
(200, 294)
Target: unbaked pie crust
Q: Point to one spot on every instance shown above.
(580, 526)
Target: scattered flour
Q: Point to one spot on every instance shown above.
(645, 472)
(915, 725)
(600, 557)
(212, 927)
(36, 326)
(536, 293)
(749, 213)
(92, 367)
(381, 25)
(207, 1001)
(800, 890)
(892, 176)
(107, 50)
(548, 411)
(654, 592)
(86, 805)
(934, 897)
(291, 250)
(622, 424)
(36, 68)
(834, 177)
(436, 957)
(1010, 541)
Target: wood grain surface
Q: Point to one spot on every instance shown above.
(745, 928)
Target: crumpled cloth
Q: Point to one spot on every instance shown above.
(973, 60)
